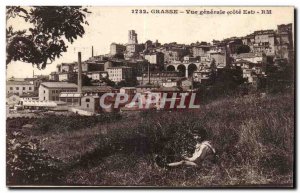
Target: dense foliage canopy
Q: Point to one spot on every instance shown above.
(51, 28)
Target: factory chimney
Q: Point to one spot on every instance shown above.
(79, 84)
(92, 51)
(149, 81)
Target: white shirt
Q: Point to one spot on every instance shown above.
(202, 150)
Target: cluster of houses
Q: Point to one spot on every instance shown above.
(152, 66)
(159, 64)
(64, 96)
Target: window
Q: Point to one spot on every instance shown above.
(87, 100)
(23, 88)
(17, 88)
(11, 88)
(44, 91)
(44, 98)
(87, 105)
(29, 88)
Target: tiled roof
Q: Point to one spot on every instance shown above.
(34, 94)
(147, 86)
(167, 89)
(18, 83)
(248, 55)
(242, 61)
(96, 88)
(118, 67)
(59, 85)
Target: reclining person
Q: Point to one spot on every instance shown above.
(203, 150)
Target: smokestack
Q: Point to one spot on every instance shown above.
(92, 51)
(79, 84)
(149, 73)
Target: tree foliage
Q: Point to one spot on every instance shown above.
(86, 81)
(108, 82)
(243, 49)
(51, 28)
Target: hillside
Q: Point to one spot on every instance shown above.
(253, 136)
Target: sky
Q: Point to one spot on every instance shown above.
(111, 24)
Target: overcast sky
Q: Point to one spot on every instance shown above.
(111, 24)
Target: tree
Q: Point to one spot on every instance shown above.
(108, 82)
(86, 81)
(119, 56)
(43, 42)
(128, 82)
(243, 49)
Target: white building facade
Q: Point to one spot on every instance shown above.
(49, 91)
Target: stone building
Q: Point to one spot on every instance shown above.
(19, 87)
(66, 76)
(203, 75)
(93, 66)
(249, 41)
(90, 103)
(53, 76)
(174, 54)
(170, 83)
(200, 50)
(118, 74)
(97, 75)
(284, 39)
(264, 42)
(220, 58)
(37, 80)
(252, 57)
(132, 50)
(158, 78)
(49, 91)
(186, 84)
(70, 98)
(116, 49)
(66, 67)
(133, 47)
(155, 58)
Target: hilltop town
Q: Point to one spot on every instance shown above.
(152, 67)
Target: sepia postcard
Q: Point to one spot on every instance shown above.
(152, 97)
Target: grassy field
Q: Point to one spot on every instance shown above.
(253, 136)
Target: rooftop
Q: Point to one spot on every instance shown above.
(147, 86)
(59, 85)
(242, 61)
(94, 72)
(167, 89)
(18, 83)
(118, 67)
(97, 88)
(249, 55)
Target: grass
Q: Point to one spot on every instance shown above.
(253, 136)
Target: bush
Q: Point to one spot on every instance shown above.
(28, 164)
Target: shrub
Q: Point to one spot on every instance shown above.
(28, 164)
